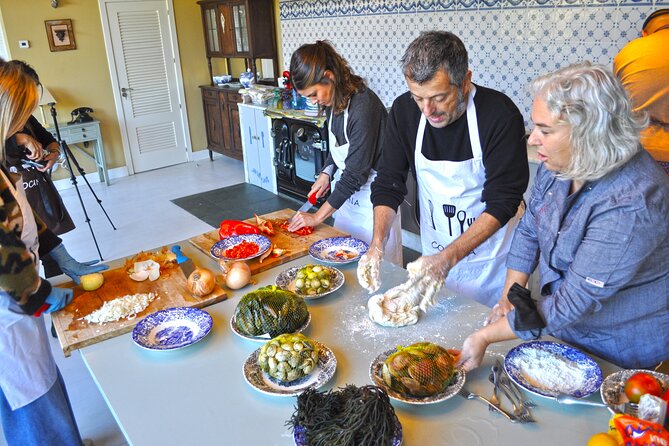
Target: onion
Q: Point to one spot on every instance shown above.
(201, 282)
(238, 275)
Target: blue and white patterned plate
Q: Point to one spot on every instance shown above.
(451, 389)
(262, 382)
(220, 246)
(300, 435)
(613, 387)
(286, 280)
(172, 328)
(566, 370)
(338, 250)
(266, 337)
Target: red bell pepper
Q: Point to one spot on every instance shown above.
(229, 228)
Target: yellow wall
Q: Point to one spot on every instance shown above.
(193, 66)
(75, 78)
(81, 77)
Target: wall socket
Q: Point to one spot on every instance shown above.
(24, 44)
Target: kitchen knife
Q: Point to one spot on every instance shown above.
(307, 205)
(186, 264)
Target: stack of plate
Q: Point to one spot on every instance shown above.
(310, 109)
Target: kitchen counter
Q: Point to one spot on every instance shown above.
(198, 395)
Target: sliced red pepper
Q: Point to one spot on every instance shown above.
(304, 230)
(229, 228)
(242, 250)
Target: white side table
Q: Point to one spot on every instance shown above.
(79, 135)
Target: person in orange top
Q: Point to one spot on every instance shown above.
(643, 67)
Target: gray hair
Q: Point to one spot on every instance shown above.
(434, 50)
(604, 129)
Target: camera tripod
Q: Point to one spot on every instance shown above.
(69, 160)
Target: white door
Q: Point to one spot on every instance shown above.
(145, 74)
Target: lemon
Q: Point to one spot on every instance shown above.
(602, 439)
(91, 282)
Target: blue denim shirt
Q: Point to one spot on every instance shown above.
(603, 256)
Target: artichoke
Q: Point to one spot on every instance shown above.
(288, 357)
(421, 369)
(270, 310)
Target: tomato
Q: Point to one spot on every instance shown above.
(641, 383)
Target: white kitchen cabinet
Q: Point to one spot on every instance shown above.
(257, 146)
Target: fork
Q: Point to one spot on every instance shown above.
(517, 409)
(493, 399)
(520, 410)
(470, 396)
(504, 378)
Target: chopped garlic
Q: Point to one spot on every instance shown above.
(121, 307)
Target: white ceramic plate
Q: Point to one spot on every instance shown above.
(613, 387)
(172, 328)
(262, 382)
(565, 366)
(452, 389)
(221, 246)
(265, 337)
(338, 250)
(286, 281)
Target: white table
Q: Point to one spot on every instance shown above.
(80, 135)
(198, 395)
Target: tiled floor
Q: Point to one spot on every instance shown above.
(140, 207)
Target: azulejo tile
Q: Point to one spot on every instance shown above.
(507, 46)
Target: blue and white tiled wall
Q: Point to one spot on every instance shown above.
(509, 41)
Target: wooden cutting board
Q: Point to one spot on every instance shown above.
(74, 332)
(297, 245)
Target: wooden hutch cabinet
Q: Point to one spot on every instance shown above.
(234, 29)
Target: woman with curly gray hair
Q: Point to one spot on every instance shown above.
(596, 226)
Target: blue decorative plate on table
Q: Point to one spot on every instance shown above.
(219, 248)
(451, 389)
(286, 280)
(613, 387)
(549, 369)
(338, 250)
(172, 328)
(262, 382)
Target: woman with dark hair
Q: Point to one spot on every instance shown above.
(596, 226)
(356, 118)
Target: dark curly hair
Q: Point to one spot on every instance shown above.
(307, 67)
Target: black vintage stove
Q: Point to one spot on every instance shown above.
(300, 151)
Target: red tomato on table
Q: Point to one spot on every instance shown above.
(641, 383)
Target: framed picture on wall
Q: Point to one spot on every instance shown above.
(60, 35)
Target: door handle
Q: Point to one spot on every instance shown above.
(124, 91)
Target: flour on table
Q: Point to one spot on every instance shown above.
(550, 372)
(122, 307)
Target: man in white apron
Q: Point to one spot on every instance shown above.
(471, 168)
